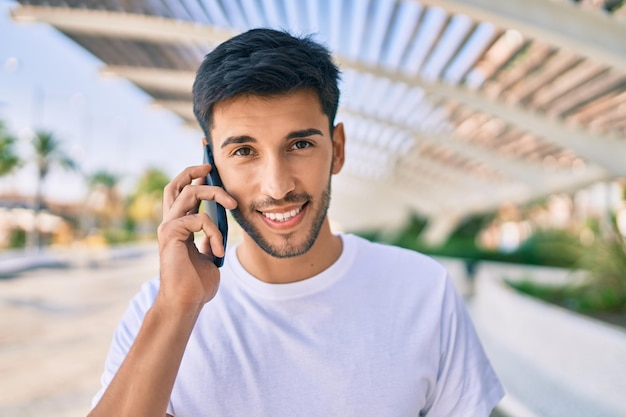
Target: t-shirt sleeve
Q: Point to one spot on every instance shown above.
(466, 383)
(125, 335)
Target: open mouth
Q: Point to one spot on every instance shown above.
(284, 216)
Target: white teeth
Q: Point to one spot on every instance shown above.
(282, 217)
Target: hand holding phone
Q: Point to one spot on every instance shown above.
(216, 211)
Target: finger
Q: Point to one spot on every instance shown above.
(182, 229)
(200, 180)
(197, 181)
(173, 189)
(190, 197)
(212, 243)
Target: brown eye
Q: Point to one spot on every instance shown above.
(243, 152)
(302, 144)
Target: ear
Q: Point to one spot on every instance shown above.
(204, 142)
(339, 141)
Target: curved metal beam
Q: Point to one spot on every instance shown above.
(156, 79)
(594, 34)
(121, 25)
(515, 169)
(608, 152)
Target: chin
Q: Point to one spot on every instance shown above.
(287, 248)
(281, 246)
(292, 244)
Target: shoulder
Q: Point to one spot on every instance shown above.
(148, 291)
(131, 320)
(405, 270)
(143, 300)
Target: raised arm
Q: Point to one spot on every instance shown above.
(143, 384)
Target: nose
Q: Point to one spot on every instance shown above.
(277, 179)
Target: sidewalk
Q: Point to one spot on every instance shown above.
(552, 362)
(532, 393)
(16, 261)
(57, 324)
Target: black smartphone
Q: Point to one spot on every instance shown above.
(216, 211)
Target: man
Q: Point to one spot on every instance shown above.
(305, 322)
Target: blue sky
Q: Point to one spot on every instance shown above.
(48, 82)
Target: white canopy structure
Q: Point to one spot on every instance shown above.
(452, 107)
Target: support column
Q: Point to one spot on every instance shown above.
(439, 228)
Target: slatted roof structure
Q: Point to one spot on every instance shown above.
(451, 107)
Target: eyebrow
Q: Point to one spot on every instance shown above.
(304, 133)
(237, 139)
(292, 135)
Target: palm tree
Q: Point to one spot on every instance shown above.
(9, 160)
(152, 182)
(145, 204)
(48, 152)
(104, 197)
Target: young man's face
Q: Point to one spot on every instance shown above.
(276, 156)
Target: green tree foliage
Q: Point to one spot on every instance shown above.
(104, 199)
(605, 260)
(152, 182)
(103, 178)
(9, 159)
(145, 204)
(49, 152)
(461, 243)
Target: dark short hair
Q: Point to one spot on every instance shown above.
(264, 62)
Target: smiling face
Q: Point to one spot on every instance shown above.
(276, 156)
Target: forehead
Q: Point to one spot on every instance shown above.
(247, 113)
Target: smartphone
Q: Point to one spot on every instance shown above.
(216, 211)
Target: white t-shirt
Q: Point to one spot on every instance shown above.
(381, 332)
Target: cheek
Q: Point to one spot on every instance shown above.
(317, 182)
(237, 184)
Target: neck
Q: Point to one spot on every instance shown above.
(324, 252)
